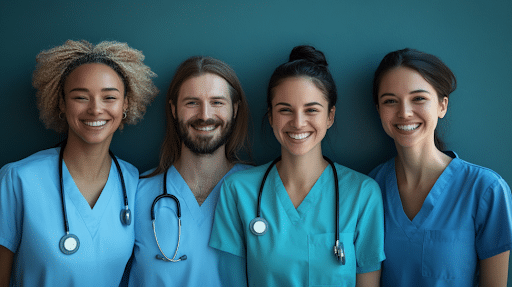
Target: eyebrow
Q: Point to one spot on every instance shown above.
(212, 98)
(412, 92)
(306, 105)
(87, 90)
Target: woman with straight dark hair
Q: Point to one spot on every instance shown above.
(447, 222)
(302, 220)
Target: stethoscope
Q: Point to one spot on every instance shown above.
(259, 225)
(69, 243)
(153, 219)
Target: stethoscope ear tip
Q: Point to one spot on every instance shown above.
(258, 226)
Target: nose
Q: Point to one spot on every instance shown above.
(205, 112)
(405, 110)
(299, 120)
(95, 106)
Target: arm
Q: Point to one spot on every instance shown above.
(368, 279)
(6, 259)
(494, 270)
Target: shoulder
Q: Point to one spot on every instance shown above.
(347, 176)
(128, 168)
(247, 174)
(383, 170)
(476, 176)
(43, 158)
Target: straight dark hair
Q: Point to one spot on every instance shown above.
(430, 67)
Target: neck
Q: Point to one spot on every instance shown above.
(300, 173)
(88, 160)
(202, 172)
(415, 164)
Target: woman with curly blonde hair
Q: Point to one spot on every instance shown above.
(65, 214)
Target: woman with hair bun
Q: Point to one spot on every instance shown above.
(448, 222)
(65, 217)
(313, 222)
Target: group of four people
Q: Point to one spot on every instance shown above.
(75, 215)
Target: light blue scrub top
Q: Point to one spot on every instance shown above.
(466, 217)
(204, 266)
(32, 224)
(298, 247)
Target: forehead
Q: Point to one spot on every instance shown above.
(204, 86)
(403, 79)
(93, 75)
(298, 91)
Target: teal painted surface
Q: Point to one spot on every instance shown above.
(473, 38)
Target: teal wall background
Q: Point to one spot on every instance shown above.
(474, 38)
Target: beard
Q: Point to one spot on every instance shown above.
(204, 145)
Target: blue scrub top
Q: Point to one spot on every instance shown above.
(466, 217)
(297, 249)
(204, 265)
(32, 224)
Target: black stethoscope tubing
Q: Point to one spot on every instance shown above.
(163, 257)
(338, 247)
(125, 213)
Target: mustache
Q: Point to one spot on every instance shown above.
(208, 122)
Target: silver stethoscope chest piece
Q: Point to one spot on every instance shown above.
(258, 226)
(69, 244)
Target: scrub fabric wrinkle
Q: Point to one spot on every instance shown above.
(466, 217)
(301, 239)
(201, 268)
(30, 205)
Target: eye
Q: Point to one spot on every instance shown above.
(311, 110)
(191, 103)
(419, 98)
(110, 97)
(217, 103)
(389, 101)
(285, 110)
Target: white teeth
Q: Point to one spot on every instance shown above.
(299, 136)
(408, 127)
(205, 129)
(95, 123)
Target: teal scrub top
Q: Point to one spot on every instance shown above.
(297, 249)
(32, 224)
(466, 217)
(204, 265)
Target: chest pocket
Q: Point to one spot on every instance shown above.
(448, 254)
(324, 269)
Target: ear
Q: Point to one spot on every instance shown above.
(330, 118)
(126, 104)
(269, 115)
(62, 105)
(173, 109)
(235, 109)
(443, 108)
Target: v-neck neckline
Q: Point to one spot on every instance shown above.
(437, 192)
(91, 217)
(198, 212)
(296, 214)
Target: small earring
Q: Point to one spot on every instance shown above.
(124, 115)
(61, 115)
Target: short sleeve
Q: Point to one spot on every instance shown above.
(494, 220)
(369, 237)
(10, 209)
(227, 233)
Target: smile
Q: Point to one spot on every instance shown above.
(299, 136)
(408, 127)
(205, 128)
(95, 123)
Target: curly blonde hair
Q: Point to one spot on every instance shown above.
(54, 65)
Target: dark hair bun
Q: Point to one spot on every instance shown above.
(308, 53)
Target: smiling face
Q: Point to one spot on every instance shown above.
(204, 111)
(409, 107)
(93, 103)
(300, 115)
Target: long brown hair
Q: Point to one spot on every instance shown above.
(237, 144)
